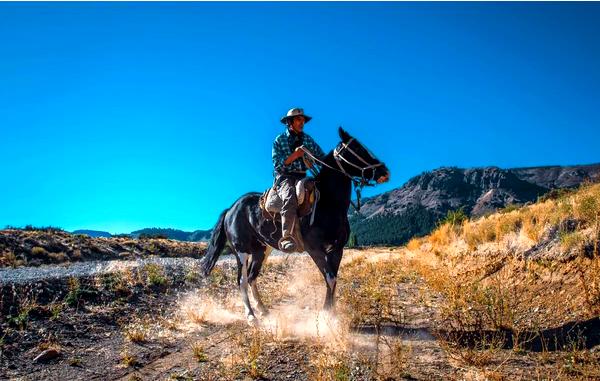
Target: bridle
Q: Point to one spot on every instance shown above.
(358, 182)
(337, 155)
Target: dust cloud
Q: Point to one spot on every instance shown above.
(295, 312)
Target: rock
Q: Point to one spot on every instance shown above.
(47, 355)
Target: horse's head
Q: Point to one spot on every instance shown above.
(356, 160)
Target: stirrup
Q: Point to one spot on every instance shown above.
(288, 250)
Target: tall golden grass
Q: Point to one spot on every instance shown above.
(532, 222)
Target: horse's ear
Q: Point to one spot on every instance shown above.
(344, 135)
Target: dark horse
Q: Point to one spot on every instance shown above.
(252, 237)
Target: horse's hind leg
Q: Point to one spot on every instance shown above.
(255, 266)
(243, 284)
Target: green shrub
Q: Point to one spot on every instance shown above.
(352, 241)
(454, 217)
(154, 275)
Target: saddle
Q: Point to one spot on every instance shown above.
(306, 193)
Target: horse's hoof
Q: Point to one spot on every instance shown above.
(328, 313)
(252, 321)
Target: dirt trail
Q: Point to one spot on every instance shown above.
(296, 327)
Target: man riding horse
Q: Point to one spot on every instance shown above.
(251, 235)
(290, 167)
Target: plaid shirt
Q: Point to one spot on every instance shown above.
(282, 150)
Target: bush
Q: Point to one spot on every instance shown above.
(39, 251)
(48, 229)
(352, 241)
(454, 217)
(155, 275)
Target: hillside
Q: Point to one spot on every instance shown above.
(50, 246)
(413, 209)
(518, 287)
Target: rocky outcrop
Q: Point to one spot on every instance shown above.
(477, 191)
(553, 177)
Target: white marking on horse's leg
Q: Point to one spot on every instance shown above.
(331, 281)
(260, 305)
(330, 297)
(244, 288)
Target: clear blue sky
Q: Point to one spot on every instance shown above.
(117, 116)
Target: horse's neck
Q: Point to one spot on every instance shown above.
(335, 187)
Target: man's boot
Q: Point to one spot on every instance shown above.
(288, 242)
(292, 241)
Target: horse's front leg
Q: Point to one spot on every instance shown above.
(333, 260)
(328, 264)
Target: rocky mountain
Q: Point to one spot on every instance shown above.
(553, 177)
(413, 209)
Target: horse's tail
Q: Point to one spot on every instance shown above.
(217, 242)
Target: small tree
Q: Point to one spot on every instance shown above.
(454, 217)
(352, 241)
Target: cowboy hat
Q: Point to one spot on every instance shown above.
(293, 113)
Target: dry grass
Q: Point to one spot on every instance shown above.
(21, 319)
(128, 359)
(442, 236)
(414, 244)
(330, 365)
(255, 349)
(533, 221)
(393, 360)
(58, 257)
(136, 333)
(249, 358)
(575, 217)
(38, 251)
(199, 352)
(8, 258)
(589, 276)
(370, 296)
(197, 316)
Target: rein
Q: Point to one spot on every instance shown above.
(358, 182)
